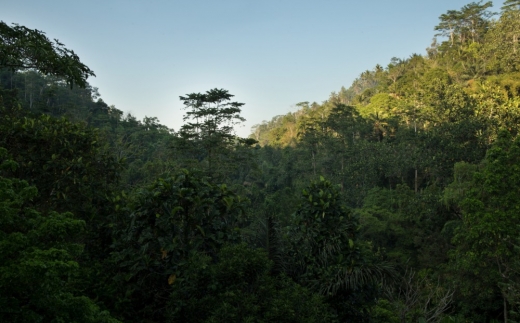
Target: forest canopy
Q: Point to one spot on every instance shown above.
(395, 200)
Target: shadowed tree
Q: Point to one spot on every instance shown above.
(22, 48)
(208, 131)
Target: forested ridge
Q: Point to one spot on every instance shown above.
(395, 200)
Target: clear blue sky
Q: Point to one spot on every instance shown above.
(271, 54)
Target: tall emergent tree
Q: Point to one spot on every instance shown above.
(467, 25)
(209, 125)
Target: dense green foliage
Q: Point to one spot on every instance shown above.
(395, 200)
(39, 272)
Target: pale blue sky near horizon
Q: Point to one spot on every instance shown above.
(269, 54)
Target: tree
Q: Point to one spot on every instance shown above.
(486, 239)
(239, 287)
(407, 224)
(443, 101)
(211, 117)
(501, 48)
(38, 259)
(449, 25)
(470, 23)
(475, 19)
(418, 299)
(327, 255)
(510, 5)
(161, 233)
(69, 165)
(22, 48)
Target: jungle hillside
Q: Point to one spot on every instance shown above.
(395, 200)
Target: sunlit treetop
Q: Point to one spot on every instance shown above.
(510, 5)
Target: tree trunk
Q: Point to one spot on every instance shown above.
(416, 180)
(505, 308)
(342, 167)
(314, 163)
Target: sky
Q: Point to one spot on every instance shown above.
(270, 54)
